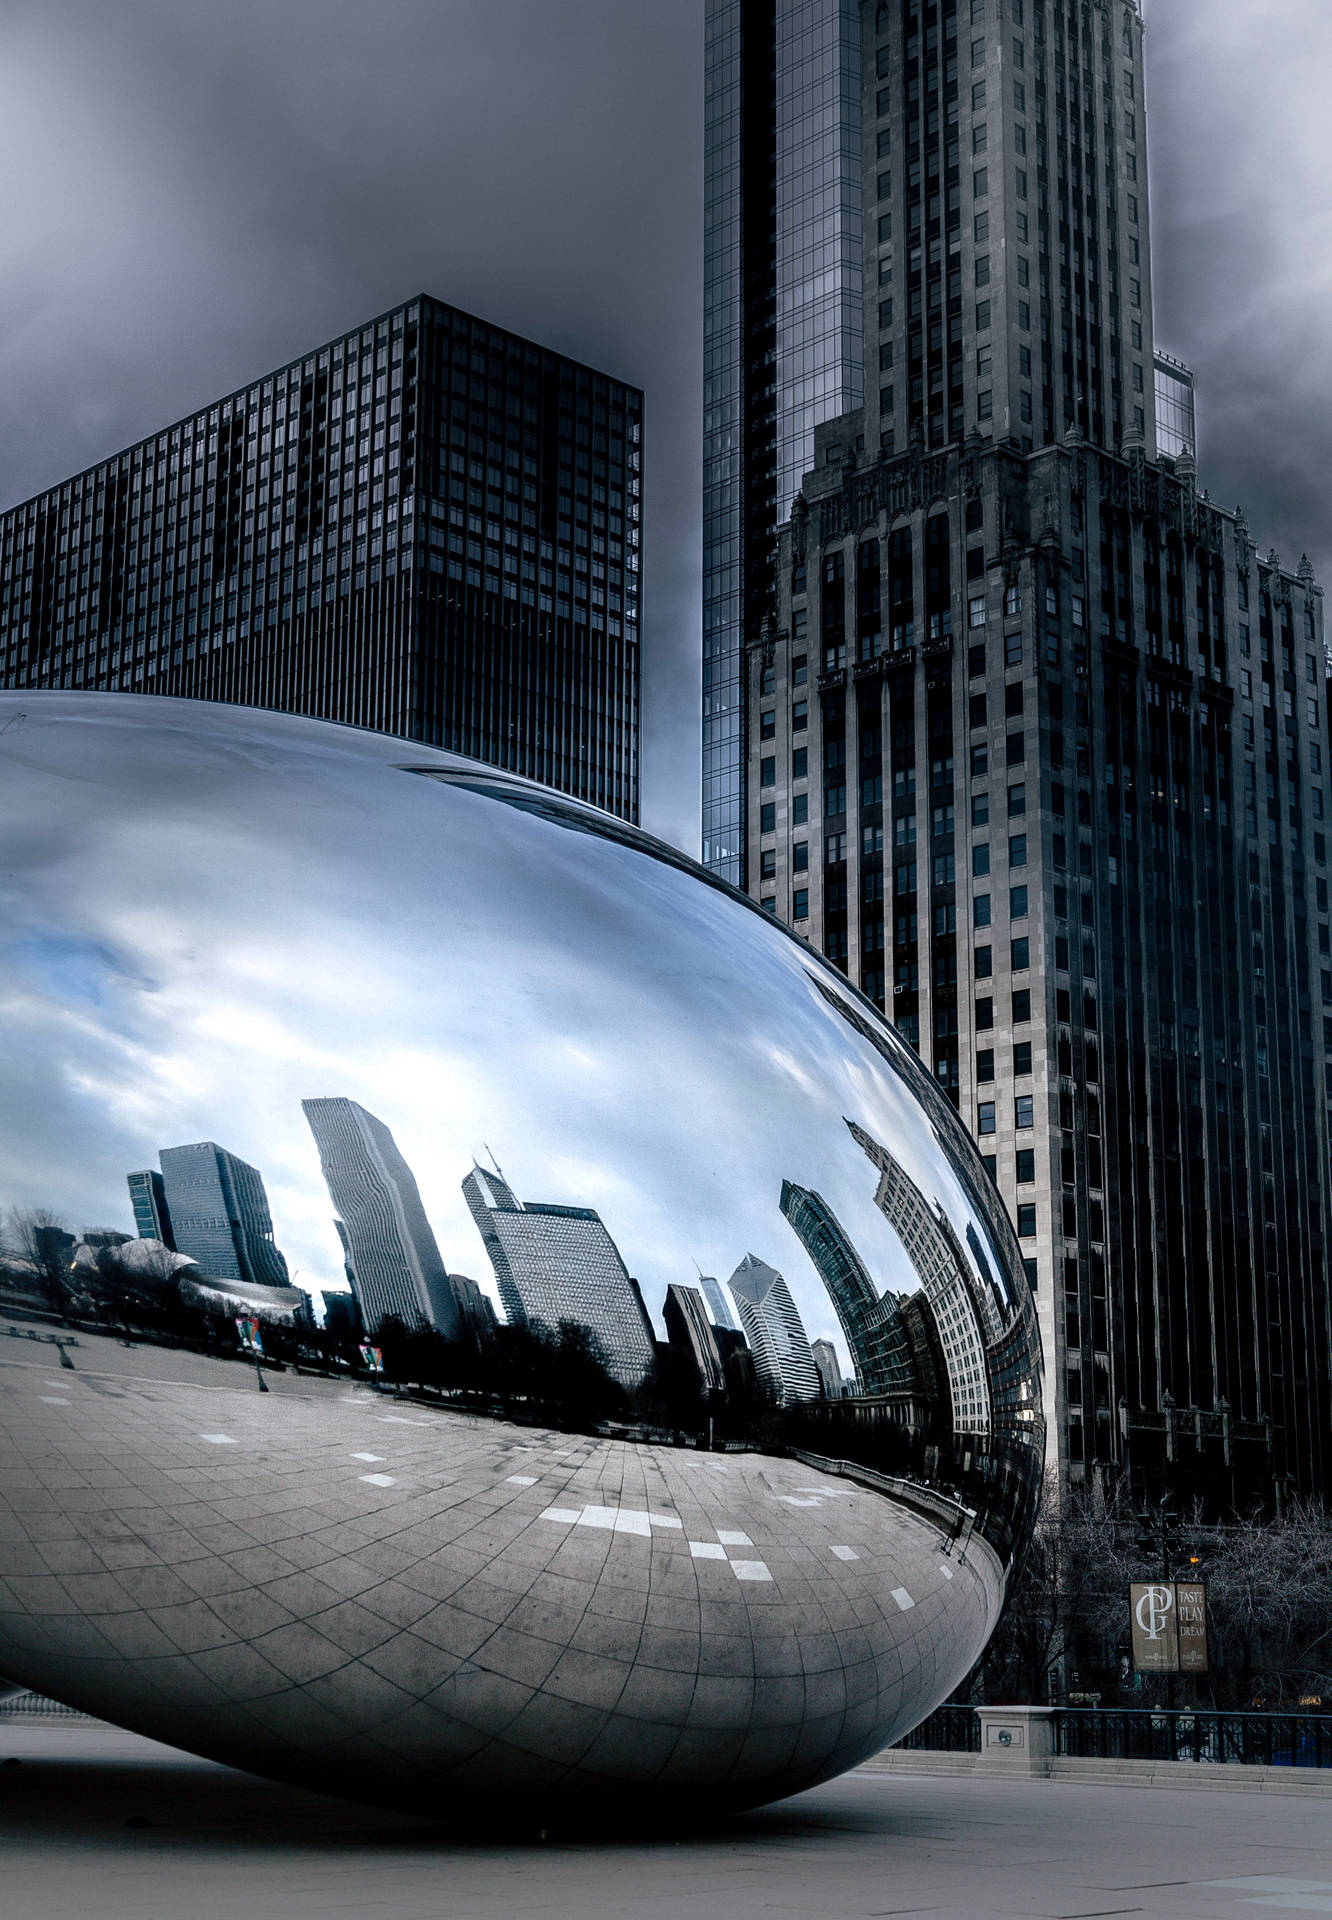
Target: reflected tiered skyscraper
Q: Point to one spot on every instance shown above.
(775, 1332)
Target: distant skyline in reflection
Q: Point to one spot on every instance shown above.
(220, 910)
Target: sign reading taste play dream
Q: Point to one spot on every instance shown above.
(1168, 1619)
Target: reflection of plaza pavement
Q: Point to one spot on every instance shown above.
(100, 1823)
(339, 1588)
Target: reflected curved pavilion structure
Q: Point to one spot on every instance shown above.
(732, 1434)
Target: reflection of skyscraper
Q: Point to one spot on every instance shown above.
(559, 1263)
(392, 1259)
(219, 1214)
(152, 1221)
(872, 1325)
(718, 1305)
(774, 1331)
(688, 1328)
(830, 1373)
(962, 1313)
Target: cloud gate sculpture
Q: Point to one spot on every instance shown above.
(487, 1317)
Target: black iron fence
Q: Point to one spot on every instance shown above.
(1210, 1738)
(948, 1730)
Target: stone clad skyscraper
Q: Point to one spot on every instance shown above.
(1005, 715)
(428, 525)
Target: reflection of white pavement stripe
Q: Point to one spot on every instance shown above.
(50, 1400)
(845, 1553)
(371, 1457)
(733, 1539)
(707, 1550)
(613, 1519)
(378, 1479)
(750, 1570)
(218, 1439)
(903, 1598)
(520, 1479)
(947, 1572)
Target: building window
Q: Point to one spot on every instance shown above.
(1017, 903)
(1021, 956)
(985, 1065)
(768, 817)
(980, 861)
(768, 725)
(984, 1015)
(985, 1117)
(1026, 1220)
(768, 864)
(981, 910)
(1021, 1006)
(800, 856)
(1024, 1111)
(976, 611)
(1022, 1058)
(834, 849)
(1026, 1166)
(984, 965)
(800, 904)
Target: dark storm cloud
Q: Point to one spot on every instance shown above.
(194, 193)
(1242, 251)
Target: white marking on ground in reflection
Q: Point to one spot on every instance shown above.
(218, 1439)
(378, 1479)
(733, 1539)
(367, 1456)
(51, 1400)
(613, 1519)
(401, 1420)
(793, 1500)
(903, 1598)
(520, 1480)
(947, 1572)
(750, 1570)
(707, 1550)
(826, 1493)
(846, 1553)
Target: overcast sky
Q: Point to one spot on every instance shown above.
(194, 192)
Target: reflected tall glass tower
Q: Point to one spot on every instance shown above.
(428, 525)
(393, 1260)
(1006, 716)
(783, 331)
(218, 1212)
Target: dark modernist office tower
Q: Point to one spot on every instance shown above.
(392, 1258)
(689, 1329)
(147, 1192)
(1005, 715)
(218, 1212)
(429, 526)
(559, 1263)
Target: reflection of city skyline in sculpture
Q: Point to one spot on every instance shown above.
(830, 1372)
(555, 1263)
(219, 1216)
(774, 1330)
(392, 1258)
(957, 1302)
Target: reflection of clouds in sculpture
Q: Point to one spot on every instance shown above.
(619, 1035)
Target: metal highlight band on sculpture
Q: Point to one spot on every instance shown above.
(652, 1394)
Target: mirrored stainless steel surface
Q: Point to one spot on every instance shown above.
(719, 1429)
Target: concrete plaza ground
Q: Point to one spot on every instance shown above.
(99, 1824)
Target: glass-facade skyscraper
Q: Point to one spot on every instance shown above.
(219, 1215)
(1023, 731)
(429, 526)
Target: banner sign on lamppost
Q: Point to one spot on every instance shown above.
(1155, 1626)
(1191, 1616)
(1168, 1619)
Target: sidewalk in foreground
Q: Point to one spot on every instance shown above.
(96, 1822)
